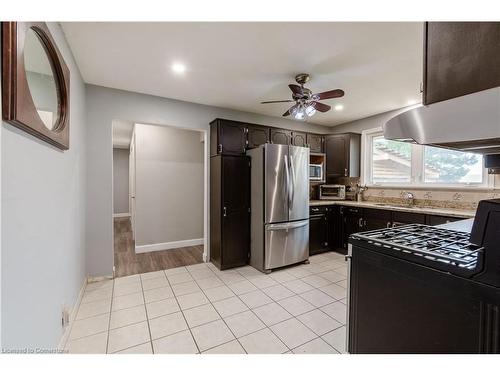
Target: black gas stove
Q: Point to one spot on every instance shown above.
(425, 289)
(443, 249)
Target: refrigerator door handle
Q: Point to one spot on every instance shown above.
(285, 160)
(292, 187)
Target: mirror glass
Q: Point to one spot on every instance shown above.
(41, 80)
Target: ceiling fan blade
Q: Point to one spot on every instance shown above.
(329, 94)
(289, 112)
(296, 89)
(278, 101)
(321, 107)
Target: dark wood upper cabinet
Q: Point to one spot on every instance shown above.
(227, 137)
(342, 155)
(257, 135)
(299, 139)
(315, 142)
(460, 58)
(281, 136)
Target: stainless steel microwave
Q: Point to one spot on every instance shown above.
(332, 192)
(315, 172)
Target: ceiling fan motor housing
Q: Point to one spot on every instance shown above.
(302, 78)
(304, 95)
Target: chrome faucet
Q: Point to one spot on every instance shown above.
(408, 198)
(359, 191)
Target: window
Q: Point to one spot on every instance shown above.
(398, 163)
(391, 161)
(452, 167)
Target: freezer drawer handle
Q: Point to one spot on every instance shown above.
(287, 225)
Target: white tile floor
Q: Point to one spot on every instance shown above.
(199, 309)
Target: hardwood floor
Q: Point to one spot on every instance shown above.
(127, 262)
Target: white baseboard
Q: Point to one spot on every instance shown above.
(74, 310)
(168, 245)
(124, 214)
(94, 279)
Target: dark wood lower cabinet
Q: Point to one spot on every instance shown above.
(319, 228)
(438, 220)
(374, 219)
(404, 218)
(346, 220)
(229, 210)
(352, 221)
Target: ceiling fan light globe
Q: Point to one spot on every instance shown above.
(310, 111)
(299, 115)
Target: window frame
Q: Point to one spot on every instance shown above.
(417, 168)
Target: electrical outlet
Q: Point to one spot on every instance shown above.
(65, 316)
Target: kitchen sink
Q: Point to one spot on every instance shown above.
(393, 205)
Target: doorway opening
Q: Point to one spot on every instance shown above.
(159, 197)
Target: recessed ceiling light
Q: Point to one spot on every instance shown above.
(339, 107)
(178, 68)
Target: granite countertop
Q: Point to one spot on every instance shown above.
(460, 226)
(423, 210)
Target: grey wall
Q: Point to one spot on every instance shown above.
(169, 184)
(105, 105)
(367, 123)
(120, 180)
(43, 219)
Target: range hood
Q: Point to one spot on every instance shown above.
(468, 123)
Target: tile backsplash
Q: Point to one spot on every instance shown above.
(452, 198)
(460, 199)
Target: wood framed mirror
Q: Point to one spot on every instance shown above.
(35, 82)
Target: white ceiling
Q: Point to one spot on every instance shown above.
(237, 65)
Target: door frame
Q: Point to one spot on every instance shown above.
(206, 187)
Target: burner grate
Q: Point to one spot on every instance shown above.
(435, 244)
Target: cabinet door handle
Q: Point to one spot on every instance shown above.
(345, 172)
(220, 148)
(224, 211)
(360, 222)
(388, 224)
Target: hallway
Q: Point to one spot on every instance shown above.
(127, 262)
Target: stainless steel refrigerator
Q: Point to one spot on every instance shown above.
(279, 206)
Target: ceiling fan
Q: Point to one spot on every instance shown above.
(306, 103)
